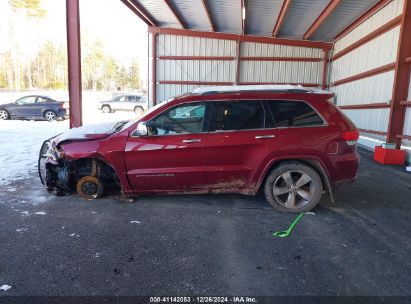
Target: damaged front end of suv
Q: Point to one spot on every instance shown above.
(63, 172)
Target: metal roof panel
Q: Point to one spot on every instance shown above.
(261, 16)
(161, 13)
(346, 13)
(192, 12)
(226, 15)
(300, 16)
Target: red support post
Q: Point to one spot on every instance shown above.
(238, 63)
(154, 69)
(401, 79)
(74, 62)
(325, 70)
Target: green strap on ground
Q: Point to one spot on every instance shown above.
(285, 233)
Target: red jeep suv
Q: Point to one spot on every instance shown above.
(290, 142)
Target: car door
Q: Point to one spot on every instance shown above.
(42, 104)
(171, 157)
(237, 144)
(24, 107)
(131, 102)
(122, 103)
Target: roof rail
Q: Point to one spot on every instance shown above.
(255, 88)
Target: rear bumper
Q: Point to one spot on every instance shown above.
(62, 113)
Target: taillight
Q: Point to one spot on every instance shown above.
(351, 137)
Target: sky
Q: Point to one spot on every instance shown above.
(121, 31)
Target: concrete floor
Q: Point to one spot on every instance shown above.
(208, 245)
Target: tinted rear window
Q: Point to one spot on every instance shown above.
(294, 114)
(237, 115)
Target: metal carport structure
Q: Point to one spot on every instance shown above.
(358, 49)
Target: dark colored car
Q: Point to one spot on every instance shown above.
(34, 107)
(289, 142)
(135, 103)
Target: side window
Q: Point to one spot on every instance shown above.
(131, 98)
(41, 99)
(237, 115)
(294, 114)
(183, 119)
(26, 100)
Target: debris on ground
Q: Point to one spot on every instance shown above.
(5, 287)
(286, 233)
(135, 222)
(40, 213)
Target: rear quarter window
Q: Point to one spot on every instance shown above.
(287, 113)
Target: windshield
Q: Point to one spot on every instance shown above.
(158, 106)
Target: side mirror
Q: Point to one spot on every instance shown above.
(142, 129)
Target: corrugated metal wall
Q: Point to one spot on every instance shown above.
(386, 14)
(376, 53)
(280, 71)
(224, 71)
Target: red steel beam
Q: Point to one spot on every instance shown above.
(406, 103)
(376, 71)
(207, 11)
(173, 11)
(154, 68)
(323, 16)
(303, 59)
(364, 17)
(246, 38)
(401, 79)
(374, 34)
(373, 132)
(379, 105)
(139, 10)
(238, 63)
(325, 70)
(196, 58)
(74, 62)
(281, 17)
(407, 137)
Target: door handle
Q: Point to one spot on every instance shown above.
(194, 140)
(264, 136)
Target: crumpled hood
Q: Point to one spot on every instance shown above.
(88, 132)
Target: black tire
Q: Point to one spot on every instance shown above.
(298, 188)
(139, 110)
(50, 115)
(106, 109)
(4, 115)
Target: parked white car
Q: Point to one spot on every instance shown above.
(125, 102)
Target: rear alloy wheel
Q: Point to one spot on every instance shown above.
(139, 111)
(50, 115)
(293, 187)
(106, 109)
(4, 114)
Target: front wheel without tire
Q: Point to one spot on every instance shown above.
(89, 187)
(4, 114)
(293, 187)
